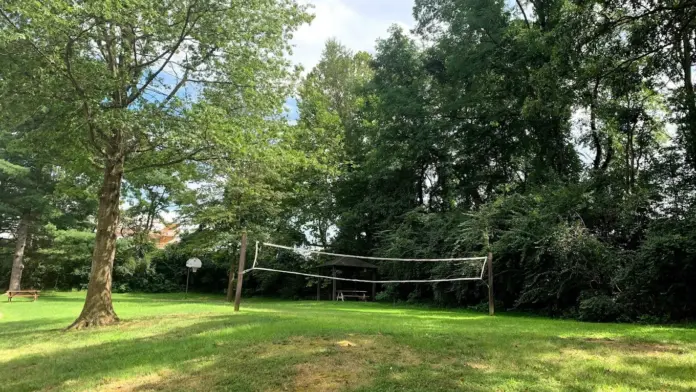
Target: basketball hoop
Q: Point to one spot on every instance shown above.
(192, 264)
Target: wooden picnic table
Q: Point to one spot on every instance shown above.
(343, 294)
(22, 293)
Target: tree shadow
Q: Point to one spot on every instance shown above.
(170, 349)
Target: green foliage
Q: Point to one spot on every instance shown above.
(328, 101)
(64, 264)
(658, 279)
(599, 308)
(559, 135)
(150, 80)
(11, 169)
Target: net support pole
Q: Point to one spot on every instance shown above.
(240, 273)
(333, 290)
(491, 299)
(230, 283)
(374, 285)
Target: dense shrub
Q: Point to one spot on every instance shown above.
(599, 308)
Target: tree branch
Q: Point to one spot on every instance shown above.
(68, 64)
(190, 157)
(184, 30)
(636, 58)
(223, 82)
(184, 78)
(524, 14)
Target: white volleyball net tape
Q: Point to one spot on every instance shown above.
(469, 268)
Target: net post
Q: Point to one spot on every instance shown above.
(491, 299)
(333, 290)
(256, 255)
(240, 272)
(374, 285)
(230, 282)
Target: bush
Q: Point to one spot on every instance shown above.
(599, 308)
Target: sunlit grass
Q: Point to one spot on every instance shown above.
(168, 342)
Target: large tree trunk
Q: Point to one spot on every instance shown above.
(17, 266)
(98, 309)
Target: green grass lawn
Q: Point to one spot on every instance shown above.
(166, 343)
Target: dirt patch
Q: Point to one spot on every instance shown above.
(306, 364)
(345, 343)
(478, 365)
(339, 363)
(133, 384)
(637, 347)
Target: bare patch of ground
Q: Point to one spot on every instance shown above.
(637, 347)
(133, 384)
(337, 364)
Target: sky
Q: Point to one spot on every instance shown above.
(357, 24)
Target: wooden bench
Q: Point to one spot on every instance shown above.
(22, 293)
(343, 294)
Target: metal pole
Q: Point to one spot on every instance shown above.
(188, 271)
(240, 272)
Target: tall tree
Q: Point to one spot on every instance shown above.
(27, 183)
(393, 149)
(146, 84)
(329, 99)
(662, 35)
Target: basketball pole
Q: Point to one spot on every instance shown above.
(188, 272)
(240, 272)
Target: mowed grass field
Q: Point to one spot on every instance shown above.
(168, 343)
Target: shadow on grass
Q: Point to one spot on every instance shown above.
(166, 350)
(29, 326)
(147, 300)
(15, 334)
(256, 351)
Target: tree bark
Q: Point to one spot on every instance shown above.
(230, 282)
(151, 212)
(593, 126)
(17, 266)
(98, 309)
(610, 153)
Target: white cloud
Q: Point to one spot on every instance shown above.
(355, 23)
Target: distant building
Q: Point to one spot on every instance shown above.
(162, 234)
(167, 235)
